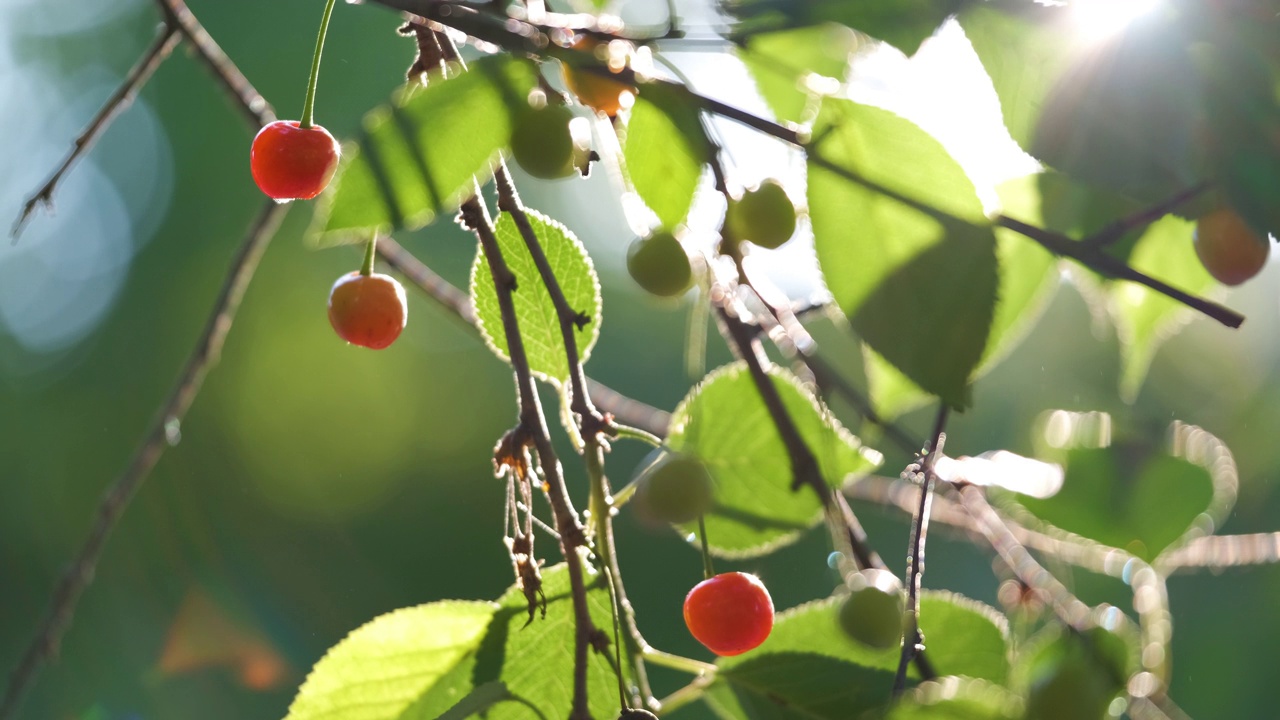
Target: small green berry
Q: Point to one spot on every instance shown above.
(872, 613)
(765, 216)
(660, 265)
(542, 144)
(676, 489)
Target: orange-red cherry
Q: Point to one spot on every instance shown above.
(730, 613)
(368, 310)
(290, 162)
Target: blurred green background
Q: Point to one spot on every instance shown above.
(317, 485)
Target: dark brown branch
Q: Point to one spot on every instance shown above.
(247, 99)
(475, 217)
(1092, 257)
(570, 319)
(163, 432)
(913, 640)
(166, 40)
(1118, 229)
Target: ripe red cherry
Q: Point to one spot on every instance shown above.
(290, 162)
(368, 310)
(730, 613)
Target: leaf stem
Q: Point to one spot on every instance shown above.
(309, 105)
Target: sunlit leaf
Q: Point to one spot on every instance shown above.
(1145, 318)
(535, 312)
(958, 698)
(963, 636)
(918, 285)
(1024, 46)
(1123, 116)
(665, 149)
(725, 423)
(414, 158)
(410, 664)
(788, 63)
(535, 662)
(799, 686)
(1137, 496)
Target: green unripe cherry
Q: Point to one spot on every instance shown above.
(676, 489)
(765, 216)
(872, 613)
(541, 142)
(659, 264)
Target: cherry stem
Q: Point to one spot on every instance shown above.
(309, 105)
(708, 572)
(370, 250)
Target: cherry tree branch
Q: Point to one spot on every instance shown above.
(164, 431)
(165, 428)
(533, 425)
(166, 40)
(913, 640)
(255, 109)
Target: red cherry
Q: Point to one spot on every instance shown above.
(368, 310)
(290, 162)
(730, 613)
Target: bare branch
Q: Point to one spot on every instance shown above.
(164, 431)
(166, 40)
(1094, 258)
(913, 640)
(1118, 229)
(248, 100)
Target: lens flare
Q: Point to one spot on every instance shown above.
(1103, 17)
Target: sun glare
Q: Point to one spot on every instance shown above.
(1104, 17)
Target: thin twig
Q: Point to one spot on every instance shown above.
(1094, 258)
(913, 640)
(1066, 606)
(165, 429)
(475, 217)
(1118, 229)
(570, 319)
(256, 110)
(167, 38)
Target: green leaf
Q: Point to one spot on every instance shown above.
(803, 686)
(536, 661)
(963, 637)
(415, 157)
(664, 150)
(724, 422)
(1124, 116)
(903, 24)
(1024, 46)
(918, 285)
(1028, 277)
(1145, 318)
(535, 312)
(400, 666)
(958, 698)
(787, 64)
(1129, 495)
